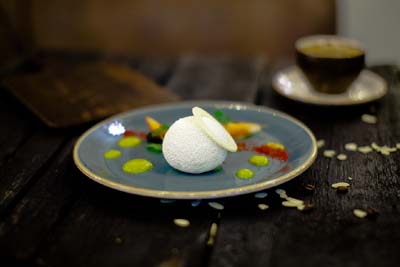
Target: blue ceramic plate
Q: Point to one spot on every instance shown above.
(165, 182)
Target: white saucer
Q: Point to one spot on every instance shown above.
(292, 83)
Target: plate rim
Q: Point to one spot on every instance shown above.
(277, 89)
(197, 194)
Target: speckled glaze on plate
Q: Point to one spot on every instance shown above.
(165, 182)
(292, 83)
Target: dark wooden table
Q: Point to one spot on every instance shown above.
(52, 215)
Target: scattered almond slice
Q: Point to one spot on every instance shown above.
(212, 234)
(290, 204)
(360, 213)
(152, 123)
(301, 207)
(320, 143)
(391, 149)
(182, 222)
(329, 153)
(340, 184)
(365, 149)
(341, 157)
(367, 118)
(350, 146)
(281, 193)
(242, 129)
(216, 205)
(375, 147)
(261, 195)
(263, 206)
(295, 200)
(384, 150)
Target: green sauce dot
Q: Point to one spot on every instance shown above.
(112, 154)
(129, 141)
(136, 166)
(259, 160)
(245, 174)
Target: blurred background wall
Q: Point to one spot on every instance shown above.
(173, 27)
(376, 24)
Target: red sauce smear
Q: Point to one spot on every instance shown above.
(242, 146)
(272, 151)
(137, 134)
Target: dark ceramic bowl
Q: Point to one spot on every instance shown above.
(335, 69)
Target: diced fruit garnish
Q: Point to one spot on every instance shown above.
(152, 123)
(242, 129)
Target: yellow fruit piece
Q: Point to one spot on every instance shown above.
(152, 123)
(276, 146)
(242, 129)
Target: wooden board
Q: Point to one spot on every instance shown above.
(52, 215)
(63, 95)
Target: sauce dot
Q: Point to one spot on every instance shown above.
(136, 166)
(245, 174)
(112, 154)
(259, 160)
(129, 141)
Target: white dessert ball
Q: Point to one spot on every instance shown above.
(187, 147)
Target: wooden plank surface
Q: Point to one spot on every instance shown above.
(63, 95)
(66, 219)
(51, 215)
(329, 235)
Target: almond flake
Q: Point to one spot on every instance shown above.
(365, 149)
(376, 147)
(320, 143)
(291, 204)
(301, 207)
(212, 234)
(367, 118)
(360, 213)
(329, 153)
(261, 195)
(281, 193)
(263, 206)
(182, 222)
(340, 184)
(389, 149)
(305, 207)
(216, 205)
(350, 146)
(295, 200)
(341, 157)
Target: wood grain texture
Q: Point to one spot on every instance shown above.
(223, 78)
(55, 216)
(64, 95)
(16, 125)
(329, 235)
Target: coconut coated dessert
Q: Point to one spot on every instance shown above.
(197, 144)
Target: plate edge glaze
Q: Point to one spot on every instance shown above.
(200, 194)
(275, 86)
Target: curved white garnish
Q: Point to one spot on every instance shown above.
(214, 129)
